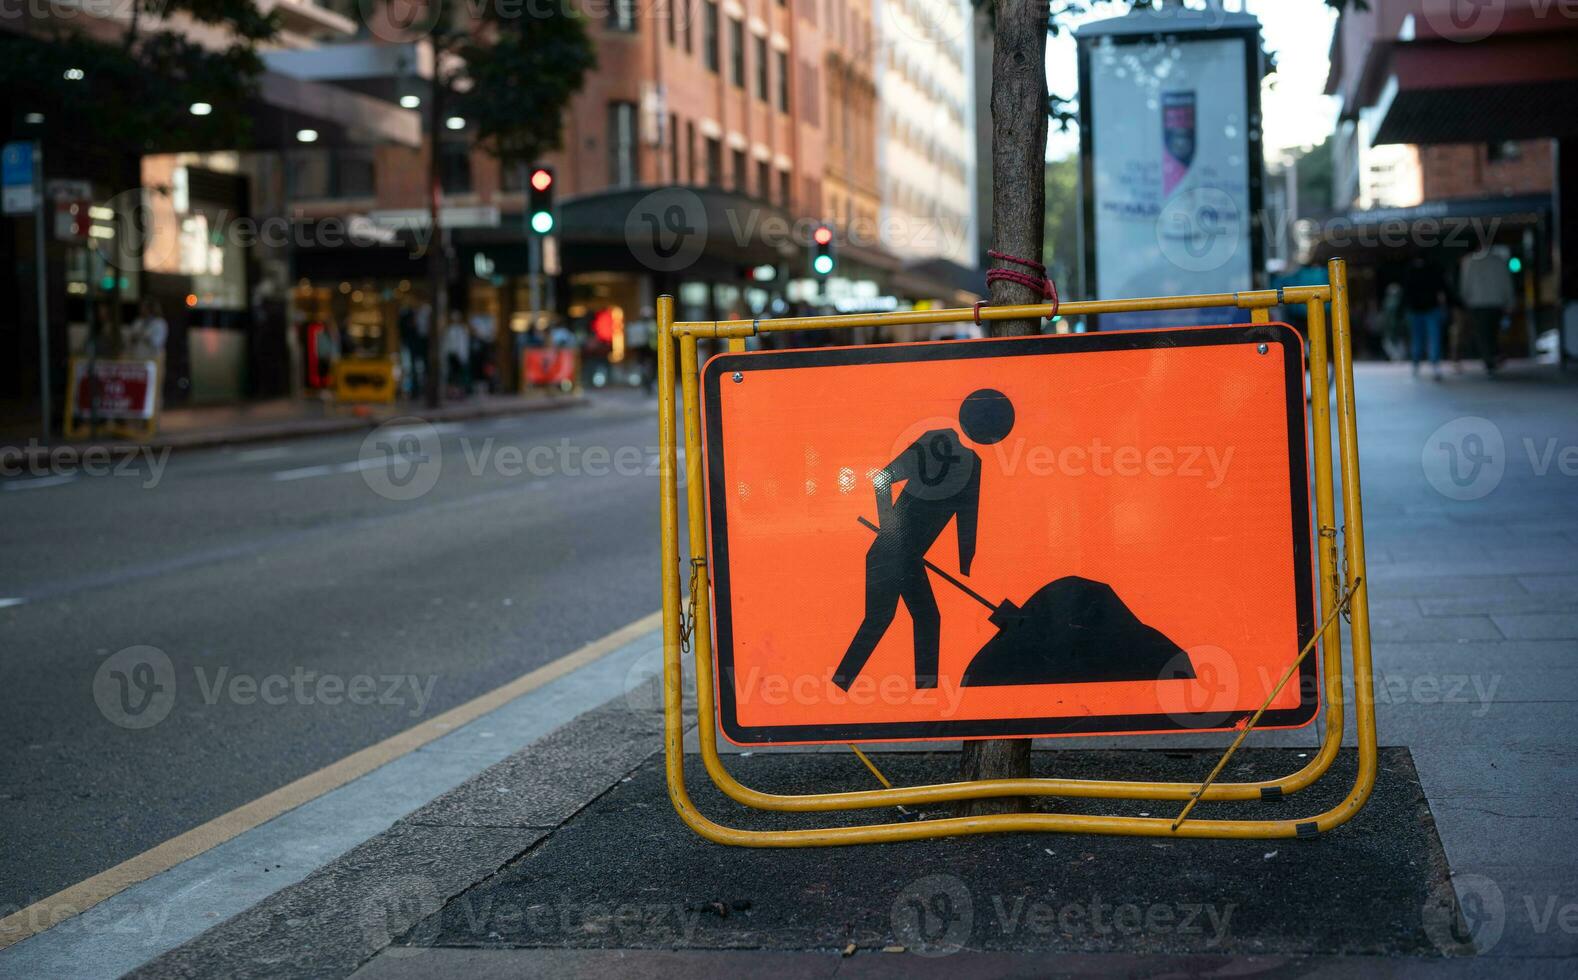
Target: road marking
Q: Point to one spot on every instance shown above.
(311, 471)
(78, 898)
(254, 455)
(303, 472)
(9, 601)
(39, 483)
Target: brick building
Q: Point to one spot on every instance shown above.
(1455, 134)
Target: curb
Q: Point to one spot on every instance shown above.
(31, 454)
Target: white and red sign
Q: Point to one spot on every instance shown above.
(123, 389)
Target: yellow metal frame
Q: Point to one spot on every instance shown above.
(366, 380)
(1339, 584)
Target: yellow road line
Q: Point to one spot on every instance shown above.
(85, 894)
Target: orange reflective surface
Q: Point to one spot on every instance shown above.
(1163, 472)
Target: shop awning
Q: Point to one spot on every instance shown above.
(1520, 82)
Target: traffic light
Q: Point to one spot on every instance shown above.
(1514, 265)
(822, 260)
(539, 203)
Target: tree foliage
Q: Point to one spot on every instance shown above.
(522, 72)
(1061, 248)
(134, 92)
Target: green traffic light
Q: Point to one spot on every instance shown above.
(1514, 265)
(541, 222)
(823, 264)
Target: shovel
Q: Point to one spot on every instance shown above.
(1003, 613)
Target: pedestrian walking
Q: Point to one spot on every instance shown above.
(1425, 300)
(1394, 323)
(1485, 285)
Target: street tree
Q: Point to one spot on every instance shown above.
(506, 72)
(122, 89)
(1021, 108)
(100, 93)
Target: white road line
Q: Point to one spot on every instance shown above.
(303, 472)
(39, 483)
(254, 455)
(7, 601)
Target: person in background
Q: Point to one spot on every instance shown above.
(560, 335)
(1425, 299)
(423, 320)
(145, 336)
(1394, 323)
(1485, 285)
(411, 367)
(457, 353)
(641, 347)
(484, 333)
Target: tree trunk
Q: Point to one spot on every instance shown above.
(1019, 147)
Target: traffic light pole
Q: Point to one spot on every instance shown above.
(42, 283)
(533, 278)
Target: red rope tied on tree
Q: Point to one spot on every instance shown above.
(1037, 281)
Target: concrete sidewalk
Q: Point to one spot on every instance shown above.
(194, 427)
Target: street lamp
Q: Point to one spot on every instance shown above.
(455, 122)
(410, 101)
(200, 109)
(306, 136)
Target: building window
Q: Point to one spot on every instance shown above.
(673, 21)
(622, 15)
(354, 173)
(739, 168)
(344, 172)
(764, 180)
(709, 36)
(737, 52)
(690, 152)
(682, 14)
(714, 162)
(1503, 151)
(454, 167)
(622, 136)
(761, 68)
(784, 184)
(673, 150)
(783, 80)
(309, 174)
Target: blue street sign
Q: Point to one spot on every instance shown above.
(16, 174)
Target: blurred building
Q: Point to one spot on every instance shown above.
(160, 224)
(926, 149)
(1456, 133)
(757, 118)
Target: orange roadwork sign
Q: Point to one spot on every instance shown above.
(1085, 534)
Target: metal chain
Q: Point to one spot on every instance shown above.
(687, 616)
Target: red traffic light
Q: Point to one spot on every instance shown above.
(822, 235)
(541, 179)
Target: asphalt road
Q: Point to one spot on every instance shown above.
(277, 584)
